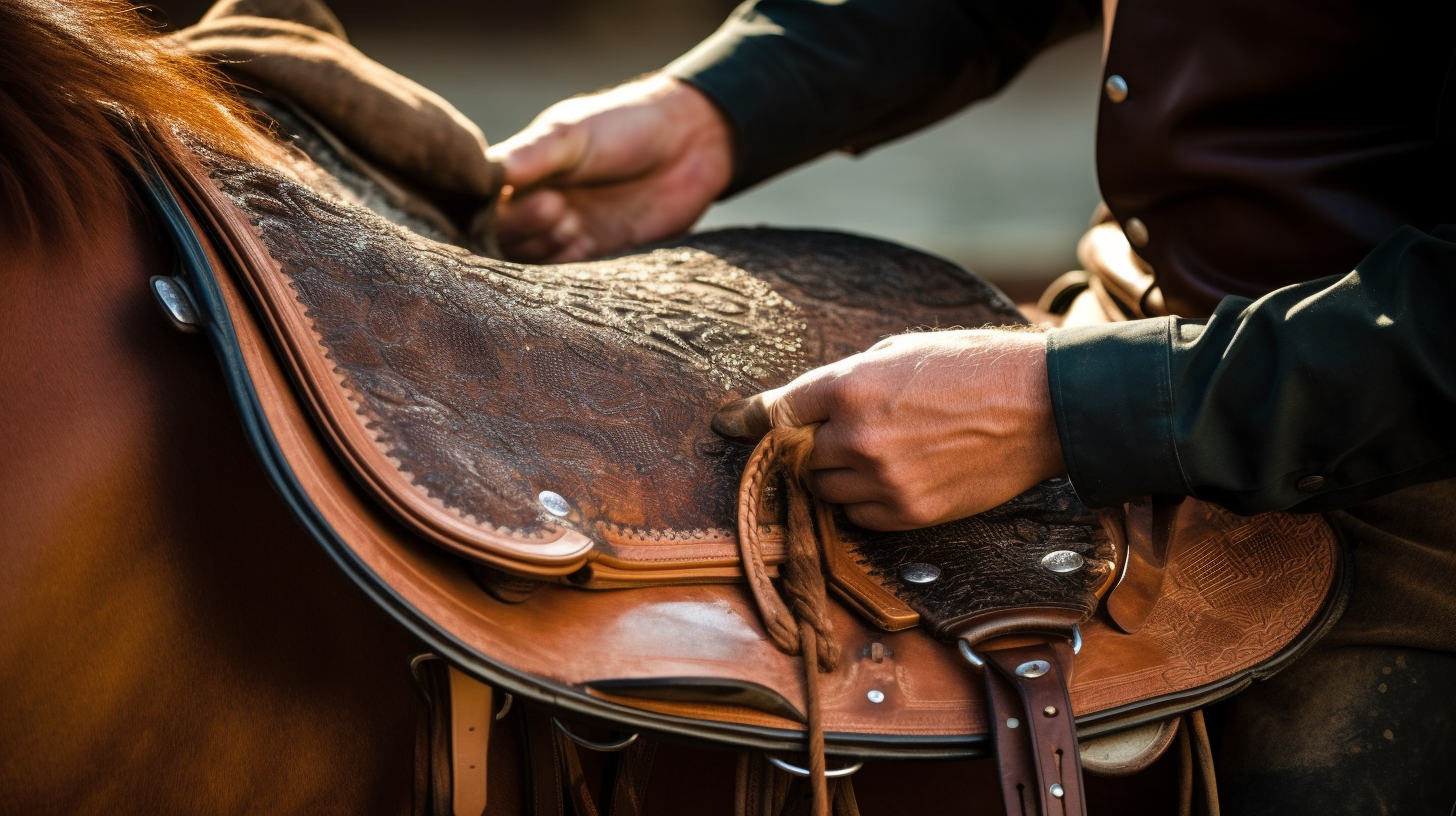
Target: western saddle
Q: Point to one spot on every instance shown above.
(517, 463)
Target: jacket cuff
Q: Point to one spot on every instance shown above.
(743, 76)
(1112, 394)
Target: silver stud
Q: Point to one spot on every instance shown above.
(1116, 88)
(1056, 790)
(875, 696)
(1136, 232)
(1049, 711)
(554, 502)
(919, 573)
(1012, 722)
(1033, 668)
(176, 304)
(1062, 561)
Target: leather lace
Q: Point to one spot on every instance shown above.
(798, 620)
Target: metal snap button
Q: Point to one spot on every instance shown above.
(1033, 668)
(1115, 88)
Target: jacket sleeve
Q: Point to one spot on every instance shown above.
(1314, 397)
(796, 78)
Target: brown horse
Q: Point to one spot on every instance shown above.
(171, 641)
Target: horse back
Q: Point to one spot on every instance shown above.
(170, 640)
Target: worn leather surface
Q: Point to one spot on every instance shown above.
(462, 387)
(991, 563)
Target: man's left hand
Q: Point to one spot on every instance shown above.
(922, 428)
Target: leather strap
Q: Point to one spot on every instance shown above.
(1150, 527)
(1036, 738)
(470, 718)
(764, 790)
(634, 767)
(432, 740)
(545, 765)
(576, 785)
(1196, 759)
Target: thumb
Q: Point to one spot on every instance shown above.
(538, 153)
(802, 402)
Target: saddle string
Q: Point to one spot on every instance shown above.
(800, 626)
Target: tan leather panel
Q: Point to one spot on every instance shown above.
(471, 715)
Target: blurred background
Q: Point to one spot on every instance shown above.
(1004, 188)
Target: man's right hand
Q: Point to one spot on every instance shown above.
(603, 173)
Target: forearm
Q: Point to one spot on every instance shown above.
(799, 77)
(1314, 397)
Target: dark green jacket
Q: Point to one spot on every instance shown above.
(1269, 149)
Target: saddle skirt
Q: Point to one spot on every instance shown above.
(478, 442)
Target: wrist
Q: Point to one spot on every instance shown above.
(706, 133)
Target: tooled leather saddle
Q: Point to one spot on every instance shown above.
(516, 462)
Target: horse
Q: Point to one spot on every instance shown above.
(171, 640)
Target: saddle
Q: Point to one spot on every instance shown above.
(517, 463)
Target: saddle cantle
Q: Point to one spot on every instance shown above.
(442, 421)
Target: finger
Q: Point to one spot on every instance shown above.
(844, 486)
(538, 153)
(581, 248)
(567, 230)
(877, 516)
(744, 420)
(531, 250)
(836, 446)
(799, 403)
(530, 215)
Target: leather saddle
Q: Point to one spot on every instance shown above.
(516, 462)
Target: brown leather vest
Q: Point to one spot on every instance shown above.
(1260, 144)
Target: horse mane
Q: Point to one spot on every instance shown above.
(63, 65)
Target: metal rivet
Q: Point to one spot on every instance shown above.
(1116, 88)
(1056, 790)
(919, 573)
(1050, 711)
(1062, 561)
(176, 304)
(1033, 668)
(554, 502)
(876, 696)
(1012, 722)
(1136, 232)
(1309, 484)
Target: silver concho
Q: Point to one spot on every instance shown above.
(1062, 561)
(554, 502)
(918, 573)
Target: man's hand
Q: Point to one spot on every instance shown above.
(606, 172)
(922, 428)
